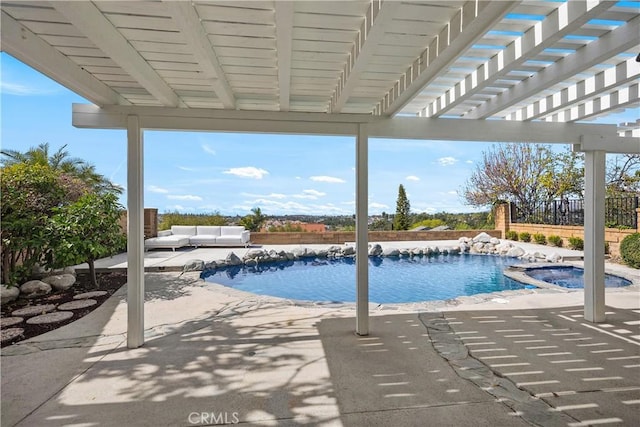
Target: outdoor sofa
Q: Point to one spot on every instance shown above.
(199, 235)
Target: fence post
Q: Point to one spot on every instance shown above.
(502, 218)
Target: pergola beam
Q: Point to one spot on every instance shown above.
(284, 42)
(90, 21)
(379, 17)
(20, 42)
(569, 17)
(616, 41)
(213, 120)
(469, 25)
(188, 21)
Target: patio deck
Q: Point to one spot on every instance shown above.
(214, 354)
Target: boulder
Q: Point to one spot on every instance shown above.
(253, 254)
(435, 251)
(322, 253)
(454, 251)
(494, 241)
(34, 288)
(464, 247)
(504, 247)
(391, 252)
(375, 250)
(482, 238)
(60, 282)
(477, 247)
(193, 265)
(554, 257)
(311, 253)
(8, 293)
(417, 252)
(515, 252)
(233, 259)
(299, 252)
(348, 251)
(250, 262)
(405, 252)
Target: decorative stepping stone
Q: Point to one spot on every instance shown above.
(93, 294)
(58, 316)
(77, 305)
(5, 322)
(34, 310)
(10, 333)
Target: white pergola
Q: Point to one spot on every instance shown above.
(503, 71)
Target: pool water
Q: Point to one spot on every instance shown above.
(391, 280)
(572, 277)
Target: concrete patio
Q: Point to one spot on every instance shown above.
(214, 355)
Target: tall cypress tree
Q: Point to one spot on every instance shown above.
(401, 219)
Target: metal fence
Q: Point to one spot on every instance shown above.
(619, 212)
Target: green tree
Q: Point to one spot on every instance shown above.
(401, 221)
(62, 162)
(623, 175)
(254, 221)
(29, 195)
(85, 231)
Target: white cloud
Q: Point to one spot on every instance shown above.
(268, 196)
(207, 149)
(454, 192)
(469, 162)
(412, 178)
(156, 189)
(447, 161)
(188, 169)
(19, 89)
(247, 172)
(314, 193)
(188, 197)
(375, 205)
(324, 178)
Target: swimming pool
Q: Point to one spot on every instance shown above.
(391, 280)
(571, 277)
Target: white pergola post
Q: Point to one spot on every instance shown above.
(135, 234)
(362, 229)
(594, 200)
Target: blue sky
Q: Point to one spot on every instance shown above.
(231, 173)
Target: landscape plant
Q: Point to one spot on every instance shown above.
(511, 235)
(253, 221)
(524, 236)
(34, 186)
(84, 231)
(401, 220)
(576, 243)
(540, 239)
(630, 250)
(176, 218)
(555, 240)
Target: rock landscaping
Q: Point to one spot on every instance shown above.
(481, 244)
(52, 302)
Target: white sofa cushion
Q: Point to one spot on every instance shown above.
(209, 230)
(183, 230)
(231, 230)
(172, 242)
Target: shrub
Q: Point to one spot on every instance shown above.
(555, 240)
(576, 243)
(175, 218)
(540, 239)
(630, 250)
(606, 248)
(525, 237)
(511, 235)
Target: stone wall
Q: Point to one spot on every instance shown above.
(340, 237)
(611, 235)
